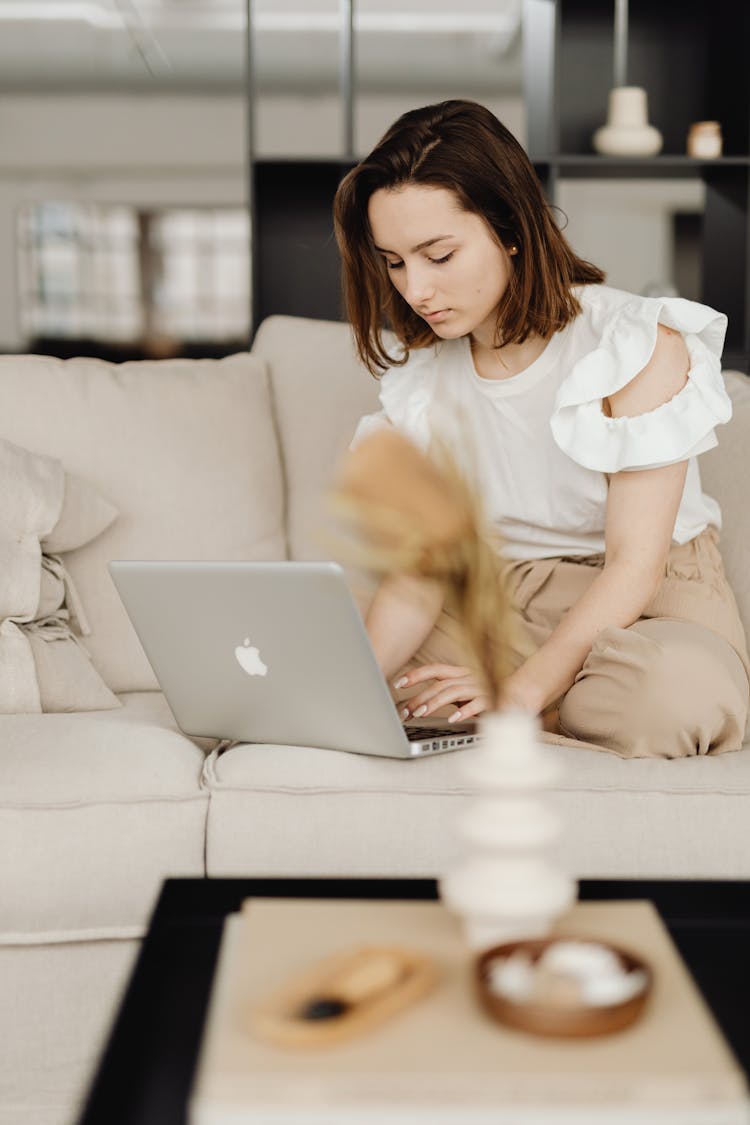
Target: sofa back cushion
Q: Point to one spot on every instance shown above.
(320, 390)
(184, 449)
(723, 477)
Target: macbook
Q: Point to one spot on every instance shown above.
(271, 652)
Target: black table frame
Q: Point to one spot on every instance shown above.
(146, 1070)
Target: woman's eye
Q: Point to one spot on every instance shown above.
(435, 261)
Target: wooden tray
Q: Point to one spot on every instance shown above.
(278, 1017)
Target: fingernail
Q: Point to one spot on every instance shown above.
(401, 683)
(405, 713)
(454, 717)
(420, 711)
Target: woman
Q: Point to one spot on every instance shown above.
(579, 411)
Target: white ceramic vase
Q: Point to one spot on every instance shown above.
(627, 132)
(507, 886)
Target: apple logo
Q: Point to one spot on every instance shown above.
(249, 659)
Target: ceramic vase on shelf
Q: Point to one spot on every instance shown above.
(627, 132)
(508, 886)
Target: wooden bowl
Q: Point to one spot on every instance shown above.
(575, 1019)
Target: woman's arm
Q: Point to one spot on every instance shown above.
(641, 506)
(401, 617)
(641, 510)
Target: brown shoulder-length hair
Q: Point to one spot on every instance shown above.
(461, 146)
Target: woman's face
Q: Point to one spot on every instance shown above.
(445, 262)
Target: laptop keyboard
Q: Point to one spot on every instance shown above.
(421, 734)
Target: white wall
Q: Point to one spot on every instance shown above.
(625, 227)
(190, 150)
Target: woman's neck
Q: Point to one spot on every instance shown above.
(505, 361)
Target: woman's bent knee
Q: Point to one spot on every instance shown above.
(661, 688)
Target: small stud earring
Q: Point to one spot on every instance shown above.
(513, 250)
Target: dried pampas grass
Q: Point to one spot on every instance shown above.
(417, 515)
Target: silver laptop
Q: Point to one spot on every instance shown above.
(271, 653)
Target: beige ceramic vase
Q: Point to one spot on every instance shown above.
(508, 885)
(627, 132)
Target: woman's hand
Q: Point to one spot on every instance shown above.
(452, 684)
(455, 684)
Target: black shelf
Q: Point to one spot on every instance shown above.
(592, 166)
(296, 267)
(693, 66)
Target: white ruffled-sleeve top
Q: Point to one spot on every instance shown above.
(538, 444)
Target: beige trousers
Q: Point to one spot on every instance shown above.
(672, 684)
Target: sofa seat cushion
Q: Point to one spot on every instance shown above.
(283, 810)
(97, 808)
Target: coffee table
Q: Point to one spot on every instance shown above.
(147, 1067)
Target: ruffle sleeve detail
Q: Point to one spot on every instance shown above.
(367, 425)
(405, 396)
(681, 428)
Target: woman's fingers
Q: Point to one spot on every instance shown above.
(424, 698)
(469, 710)
(431, 672)
(418, 705)
(450, 683)
(447, 693)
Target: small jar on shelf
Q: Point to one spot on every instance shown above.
(704, 140)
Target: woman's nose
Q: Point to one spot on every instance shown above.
(419, 287)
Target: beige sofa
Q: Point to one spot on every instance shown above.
(227, 460)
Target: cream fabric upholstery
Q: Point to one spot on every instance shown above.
(57, 1004)
(97, 808)
(285, 810)
(723, 472)
(185, 449)
(320, 391)
(43, 510)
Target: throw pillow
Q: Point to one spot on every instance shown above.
(85, 514)
(43, 513)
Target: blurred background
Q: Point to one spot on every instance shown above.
(132, 133)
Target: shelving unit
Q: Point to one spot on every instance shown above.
(593, 166)
(296, 267)
(692, 60)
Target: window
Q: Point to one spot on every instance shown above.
(158, 282)
(200, 261)
(79, 272)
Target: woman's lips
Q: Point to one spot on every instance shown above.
(435, 317)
